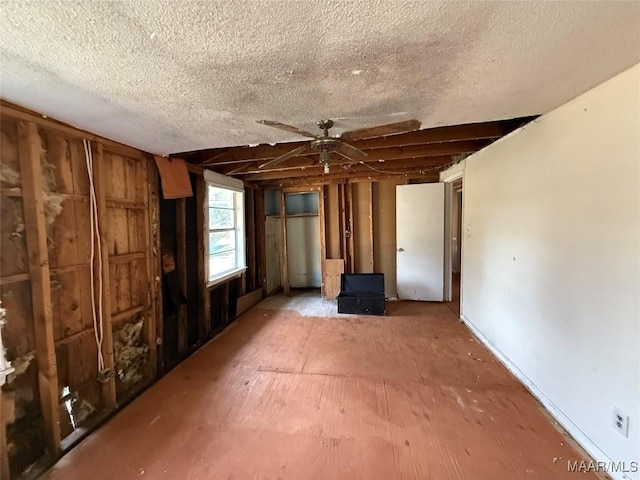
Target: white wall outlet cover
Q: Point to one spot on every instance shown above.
(621, 421)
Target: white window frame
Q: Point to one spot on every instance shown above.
(213, 179)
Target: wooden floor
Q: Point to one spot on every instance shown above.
(284, 395)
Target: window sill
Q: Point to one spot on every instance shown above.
(227, 276)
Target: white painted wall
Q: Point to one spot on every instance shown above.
(551, 267)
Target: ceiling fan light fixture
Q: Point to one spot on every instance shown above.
(326, 168)
(325, 156)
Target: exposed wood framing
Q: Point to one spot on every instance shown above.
(108, 387)
(20, 113)
(322, 191)
(6, 409)
(261, 241)
(372, 259)
(345, 177)
(343, 222)
(33, 203)
(204, 320)
(285, 254)
(351, 257)
(154, 298)
(181, 266)
(458, 133)
(250, 284)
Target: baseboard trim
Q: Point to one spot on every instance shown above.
(578, 435)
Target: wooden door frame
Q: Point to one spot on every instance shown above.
(320, 190)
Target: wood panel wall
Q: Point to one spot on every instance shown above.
(45, 281)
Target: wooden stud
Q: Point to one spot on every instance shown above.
(372, 259)
(343, 222)
(204, 320)
(100, 180)
(251, 241)
(6, 417)
(351, 257)
(31, 169)
(181, 266)
(154, 298)
(260, 240)
(322, 191)
(285, 254)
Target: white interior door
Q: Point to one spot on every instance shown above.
(420, 241)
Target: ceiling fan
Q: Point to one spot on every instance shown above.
(327, 145)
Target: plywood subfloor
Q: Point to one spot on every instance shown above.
(282, 395)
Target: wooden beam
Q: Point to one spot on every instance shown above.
(338, 166)
(377, 167)
(154, 297)
(99, 180)
(204, 319)
(456, 133)
(343, 221)
(353, 177)
(181, 266)
(322, 192)
(351, 267)
(260, 240)
(30, 150)
(285, 253)
(262, 154)
(370, 199)
(6, 417)
(251, 240)
(23, 114)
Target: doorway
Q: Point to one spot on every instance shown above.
(304, 262)
(453, 267)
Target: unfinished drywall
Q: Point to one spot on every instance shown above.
(551, 261)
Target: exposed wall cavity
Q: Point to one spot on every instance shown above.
(52, 201)
(8, 176)
(130, 352)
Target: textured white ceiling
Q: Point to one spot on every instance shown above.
(177, 76)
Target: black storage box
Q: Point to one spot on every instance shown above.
(362, 293)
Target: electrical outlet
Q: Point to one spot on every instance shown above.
(621, 421)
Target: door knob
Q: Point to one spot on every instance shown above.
(401, 249)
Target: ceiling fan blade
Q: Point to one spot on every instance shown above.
(288, 128)
(349, 151)
(293, 153)
(381, 130)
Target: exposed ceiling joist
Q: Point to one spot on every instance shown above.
(475, 131)
(387, 166)
(422, 153)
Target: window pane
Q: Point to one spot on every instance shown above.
(221, 262)
(221, 241)
(220, 198)
(220, 218)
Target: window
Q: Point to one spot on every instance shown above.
(225, 238)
